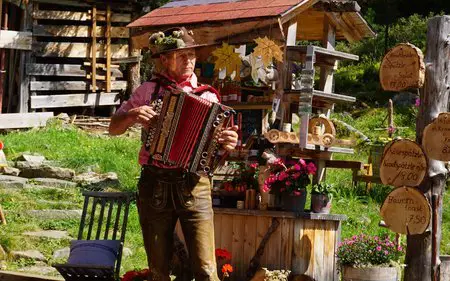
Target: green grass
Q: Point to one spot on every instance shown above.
(76, 149)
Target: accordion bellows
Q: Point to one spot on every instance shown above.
(187, 131)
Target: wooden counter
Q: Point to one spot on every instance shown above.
(304, 243)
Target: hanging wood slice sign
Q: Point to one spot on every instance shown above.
(403, 164)
(436, 138)
(402, 68)
(406, 210)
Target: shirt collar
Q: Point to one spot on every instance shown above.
(190, 82)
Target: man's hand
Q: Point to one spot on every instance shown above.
(229, 138)
(143, 115)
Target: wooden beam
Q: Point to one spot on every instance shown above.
(78, 31)
(15, 276)
(335, 6)
(62, 70)
(328, 42)
(108, 47)
(296, 10)
(78, 50)
(347, 30)
(24, 120)
(94, 49)
(73, 100)
(78, 16)
(73, 85)
(19, 40)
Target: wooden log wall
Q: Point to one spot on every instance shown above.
(305, 246)
(76, 53)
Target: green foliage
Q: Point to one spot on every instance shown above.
(323, 188)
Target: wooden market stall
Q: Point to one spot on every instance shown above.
(63, 54)
(305, 242)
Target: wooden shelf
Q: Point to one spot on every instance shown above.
(292, 149)
(293, 96)
(322, 55)
(249, 105)
(280, 214)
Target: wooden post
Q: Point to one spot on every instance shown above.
(25, 57)
(434, 100)
(94, 48)
(390, 118)
(108, 47)
(134, 74)
(3, 57)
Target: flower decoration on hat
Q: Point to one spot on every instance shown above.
(227, 58)
(160, 42)
(268, 50)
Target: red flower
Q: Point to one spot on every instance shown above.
(223, 254)
(227, 268)
(311, 168)
(1, 145)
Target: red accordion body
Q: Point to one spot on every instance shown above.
(186, 132)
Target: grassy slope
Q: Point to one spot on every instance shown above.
(76, 149)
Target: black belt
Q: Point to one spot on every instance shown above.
(166, 173)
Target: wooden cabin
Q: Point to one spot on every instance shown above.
(59, 54)
(304, 243)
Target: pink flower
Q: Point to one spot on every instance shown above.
(288, 183)
(399, 248)
(378, 248)
(311, 168)
(386, 252)
(254, 165)
(297, 193)
(302, 162)
(296, 176)
(417, 104)
(297, 167)
(266, 188)
(283, 175)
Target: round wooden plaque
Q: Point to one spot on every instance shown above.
(436, 138)
(406, 210)
(403, 164)
(402, 68)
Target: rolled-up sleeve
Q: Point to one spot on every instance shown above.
(140, 97)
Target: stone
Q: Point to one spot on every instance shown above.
(51, 234)
(32, 158)
(11, 171)
(126, 252)
(3, 265)
(52, 182)
(7, 181)
(54, 214)
(3, 255)
(29, 254)
(94, 181)
(39, 170)
(66, 205)
(404, 99)
(40, 268)
(61, 253)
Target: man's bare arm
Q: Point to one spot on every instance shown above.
(121, 121)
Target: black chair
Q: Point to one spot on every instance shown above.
(104, 217)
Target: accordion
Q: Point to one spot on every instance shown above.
(186, 132)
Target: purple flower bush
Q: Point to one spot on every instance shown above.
(366, 251)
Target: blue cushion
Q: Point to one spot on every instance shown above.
(94, 252)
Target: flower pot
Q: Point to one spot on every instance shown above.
(293, 203)
(369, 274)
(320, 203)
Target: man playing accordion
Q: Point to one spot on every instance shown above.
(167, 193)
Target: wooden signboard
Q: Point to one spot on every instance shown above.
(407, 211)
(436, 138)
(403, 164)
(402, 68)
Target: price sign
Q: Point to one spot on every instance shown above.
(436, 138)
(403, 164)
(407, 211)
(402, 68)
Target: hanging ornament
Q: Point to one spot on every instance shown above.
(256, 65)
(227, 59)
(268, 50)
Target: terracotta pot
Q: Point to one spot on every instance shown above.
(369, 274)
(320, 203)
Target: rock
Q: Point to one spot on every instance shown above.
(52, 234)
(54, 214)
(404, 99)
(9, 171)
(52, 182)
(31, 158)
(126, 252)
(30, 254)
(12, 181)
(60, 205)
(3, 255)
(3, 265)
(94, 181)
(38, 170)
(40, 268)
(61, 253)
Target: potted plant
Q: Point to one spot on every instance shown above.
(321, 196)
(364, 257)
(289, 183)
